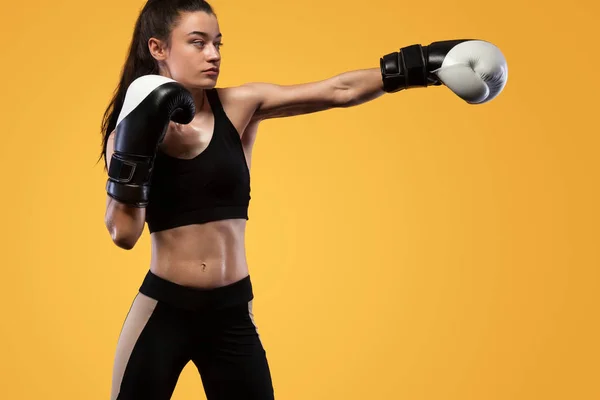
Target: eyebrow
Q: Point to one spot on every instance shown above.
(203, 34)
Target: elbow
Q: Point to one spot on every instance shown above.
(124, 224)
(125, 242)
(345, 98)
(123, 238)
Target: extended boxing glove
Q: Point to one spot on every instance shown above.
(474, 70)
(150, 103)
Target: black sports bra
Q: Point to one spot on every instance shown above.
(215, 185)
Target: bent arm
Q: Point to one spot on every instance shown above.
(125, 223)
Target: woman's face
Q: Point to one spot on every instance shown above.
(193, 57)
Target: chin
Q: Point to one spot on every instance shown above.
(205, 83)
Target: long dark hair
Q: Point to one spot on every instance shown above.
(156, 20)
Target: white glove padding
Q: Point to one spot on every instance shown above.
(474, 70)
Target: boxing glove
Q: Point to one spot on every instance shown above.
(474, 70)
(151, 102)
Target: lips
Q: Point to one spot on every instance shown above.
(213, 70)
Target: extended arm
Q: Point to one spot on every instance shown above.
(474, 70)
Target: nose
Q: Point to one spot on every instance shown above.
(213, 53)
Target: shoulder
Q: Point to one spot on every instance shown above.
(243, 94)
(240, 103)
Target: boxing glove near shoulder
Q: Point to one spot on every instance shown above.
(474, 70)
(151, 102)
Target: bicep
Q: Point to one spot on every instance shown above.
(276, 101)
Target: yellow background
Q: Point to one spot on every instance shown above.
(413, 248)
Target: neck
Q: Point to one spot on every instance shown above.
(199, 99)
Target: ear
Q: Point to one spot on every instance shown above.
(157, 48)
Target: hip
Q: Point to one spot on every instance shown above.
(183, 297)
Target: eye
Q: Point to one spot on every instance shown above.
(219, 45)
(199, 43)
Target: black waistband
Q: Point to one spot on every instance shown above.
(194, 298)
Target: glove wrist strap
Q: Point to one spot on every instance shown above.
(404, 69)
(130, 169)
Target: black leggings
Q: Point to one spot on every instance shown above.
(169, 325)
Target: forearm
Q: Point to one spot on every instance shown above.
(358, 87)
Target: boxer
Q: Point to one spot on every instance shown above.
(178, 152)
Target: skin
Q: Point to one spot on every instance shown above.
(213, 254)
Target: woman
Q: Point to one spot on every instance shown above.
(178, 153)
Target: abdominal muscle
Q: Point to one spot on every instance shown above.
(205, 256)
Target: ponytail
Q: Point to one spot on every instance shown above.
(156, 19)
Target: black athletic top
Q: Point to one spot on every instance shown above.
(215, 185)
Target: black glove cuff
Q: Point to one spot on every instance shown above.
(132, 195)
(393, 80)
(404, 69)
(129, 179)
